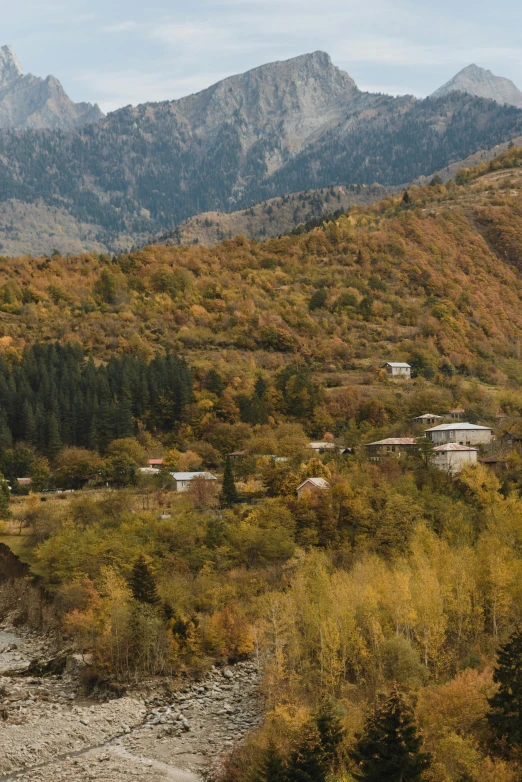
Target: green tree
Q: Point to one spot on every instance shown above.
(505, 716)
(307, 761)
(318, 300)
(271, 767)
(143, 583)
(390, 747)
(331, 733)
(228, 495)
(4, 498)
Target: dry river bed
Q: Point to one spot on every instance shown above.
(50, 732)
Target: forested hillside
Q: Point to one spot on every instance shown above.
(434, 279)
(383, 609)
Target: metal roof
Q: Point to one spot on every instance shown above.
(454, 447)
(189, 476)
(398, 364)
(460, 427)
(427, 415)
(395, 441)
(319, 482)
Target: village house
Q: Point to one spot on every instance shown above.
(390, 446)
(312, 486)
(323, 446)
(397, 369)
(183, 479)
(427, 418)
(462, 433)
(155, 463)
(452, 457)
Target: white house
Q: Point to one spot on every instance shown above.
(427, 418)
(183, 479)
(461, 433)
(397, 369)
(452, 457)
(312, 486)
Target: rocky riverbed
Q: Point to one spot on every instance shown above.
(50, 732)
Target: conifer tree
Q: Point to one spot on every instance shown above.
(272, 766)
(390, 747)
(307, 761)
(54, 441)
(331, 733)
(4, 498)
(228, 495)
(505, 716)
(143, 583)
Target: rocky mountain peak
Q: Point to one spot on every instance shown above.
(10, 68)
(27, 101)
(482, 83)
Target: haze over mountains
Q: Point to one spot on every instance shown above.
(27, 101)
(283, 127)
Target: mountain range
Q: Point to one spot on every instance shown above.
(27, 101)
(284, 127)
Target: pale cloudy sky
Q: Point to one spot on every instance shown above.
(117, 52)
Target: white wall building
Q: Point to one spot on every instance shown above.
(452, 457)
(397, 369)
(183, 479)
(460, 433)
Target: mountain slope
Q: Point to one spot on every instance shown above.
(29, 102)
(285, 127)
(273, 217)
(437, 281)
(482, 83)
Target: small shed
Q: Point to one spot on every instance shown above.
(24, 482)
(155, 462)
(397, 369)
(312, 486)
(452, 457)
(427, 418)
(183, 479)
(511, 439)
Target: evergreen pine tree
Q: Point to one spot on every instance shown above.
(307, 761)
(4, 498)
(390, 747)
(272, 766)
(228, 495)
(331, 733)
(54, 441)
(505, 716)
(143, 583)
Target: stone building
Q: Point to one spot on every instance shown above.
(452, 457)
(460, 433)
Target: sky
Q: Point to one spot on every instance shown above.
(116, 52)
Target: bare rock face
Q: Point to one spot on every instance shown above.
(28, 102)
(483, 84)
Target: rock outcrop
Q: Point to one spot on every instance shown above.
(482, 83)
(28, 102)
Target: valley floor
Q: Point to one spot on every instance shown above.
(51, 733)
